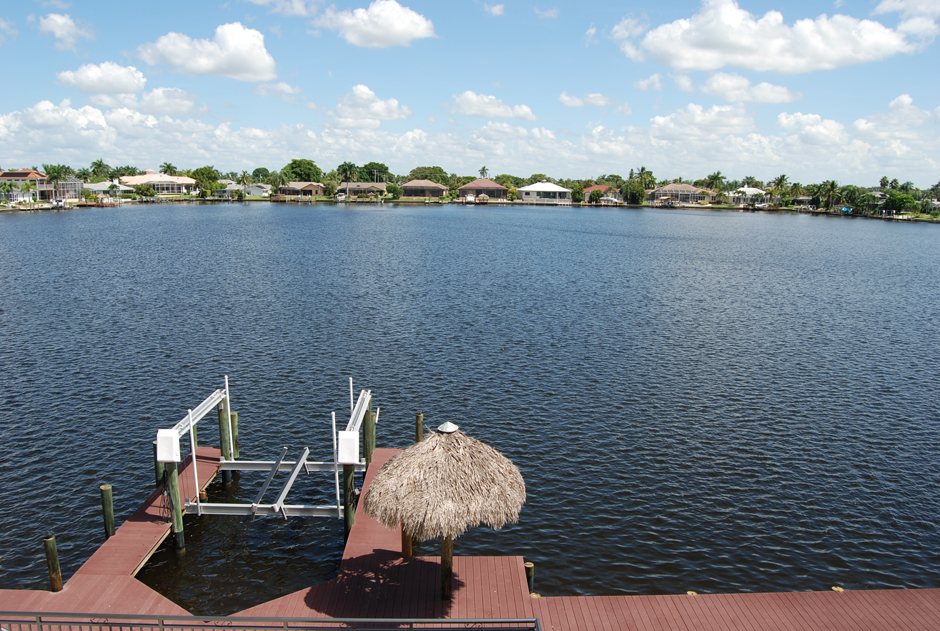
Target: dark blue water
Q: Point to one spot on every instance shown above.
(704, 401)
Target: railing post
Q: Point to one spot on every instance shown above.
(107, 510)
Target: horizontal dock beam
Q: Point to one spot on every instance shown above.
(286, 465)
(287, 510)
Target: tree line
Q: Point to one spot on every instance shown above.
(780, 191)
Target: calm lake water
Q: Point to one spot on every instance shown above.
(705, 401)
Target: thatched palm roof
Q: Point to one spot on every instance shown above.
(445, 484)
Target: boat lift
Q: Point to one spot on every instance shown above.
(345, 452)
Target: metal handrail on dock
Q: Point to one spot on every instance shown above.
(32, 621)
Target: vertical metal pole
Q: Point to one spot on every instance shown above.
(352, 404)
(176, 506)
(52, 562)
(158, 467)
(228, 414)
(349, 497)
(419, 427)
(192, 444)
(107, 510)
(339, 509)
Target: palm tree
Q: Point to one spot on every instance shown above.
(715, 181)
(168, 168)
(796, 189)
(244, 179)
(484, 172)
(347, 172)
(55, 173)
(28, 188)
(884, 182)
(100, 169)
(750, 181)
(276, 180)
(830, 191)
(6, 188)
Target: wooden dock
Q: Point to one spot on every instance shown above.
(375, 582)
(105, 583)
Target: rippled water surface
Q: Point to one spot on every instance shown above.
(716, 402)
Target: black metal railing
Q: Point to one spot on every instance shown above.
(31, 621)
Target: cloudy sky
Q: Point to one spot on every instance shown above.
(845, 90)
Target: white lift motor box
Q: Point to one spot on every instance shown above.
(348, 447)
(168, 445)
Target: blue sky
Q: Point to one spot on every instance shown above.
(845, 90)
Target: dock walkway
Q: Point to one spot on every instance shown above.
(375, 582)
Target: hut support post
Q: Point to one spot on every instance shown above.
(52, 563)
(176, 507)
(107, 510)
(349, 494)
(419, 427)
(447, 567)
(224, 439)
(406, 550)
(158, 467)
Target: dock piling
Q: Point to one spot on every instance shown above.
(158, 467)
(235, 435)
(530, 575)
(349, 498)
(368, 436)
(419, 427)
(224, 439)
(176, 505)
(107, 510)
(52, 562)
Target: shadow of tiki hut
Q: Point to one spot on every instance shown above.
(440, 487)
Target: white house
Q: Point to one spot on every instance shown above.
(161, 183)
(104, 188)
(545, 193)
(748, 195)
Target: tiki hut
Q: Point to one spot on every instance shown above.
(440, 487)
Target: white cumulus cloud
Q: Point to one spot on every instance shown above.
(157, 102)
(813, 129)
(723, 34)
(385, 23)
(547, 13)
(63, 28)
(286, 91)
(236, 52)
(737, 89)
(624, 33)
(7, 29)
(472, 104)
(694, 120)
(683, 82)
(495, 9)
(596, 99)
(653, 82)
(303, 8)
(363, 109)
(104, 78)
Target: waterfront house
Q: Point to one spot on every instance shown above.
(161, 183)
(606, 191)
(679, 194)
(748, 195)
(423, 188)
(68, 189)
(301, 189)
(104, 188)
(483, 186)
(258, 190)
(356, 189)
(545, 193)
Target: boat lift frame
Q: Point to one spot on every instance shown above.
(345, 452)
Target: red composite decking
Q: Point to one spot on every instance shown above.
(373, 581)
(106, 583)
